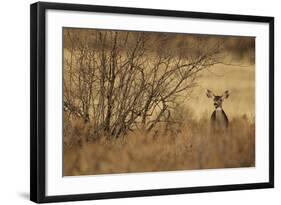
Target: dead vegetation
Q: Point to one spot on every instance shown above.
(191, 147)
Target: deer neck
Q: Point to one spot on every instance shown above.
(219, 109)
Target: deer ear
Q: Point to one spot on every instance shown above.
(209, 94)
(226, 94)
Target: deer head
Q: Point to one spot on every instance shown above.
(218, 99)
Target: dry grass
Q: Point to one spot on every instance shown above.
(191, 147)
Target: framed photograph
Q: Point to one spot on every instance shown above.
(129, 102)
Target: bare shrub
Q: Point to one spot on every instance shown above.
(126, 81)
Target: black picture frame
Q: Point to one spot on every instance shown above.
(38, 101)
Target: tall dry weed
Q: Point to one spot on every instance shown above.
(191, 147)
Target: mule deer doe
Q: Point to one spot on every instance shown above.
(219, 120)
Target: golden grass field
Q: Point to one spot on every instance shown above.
(191, 146)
